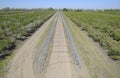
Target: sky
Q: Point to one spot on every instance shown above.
(74, 4)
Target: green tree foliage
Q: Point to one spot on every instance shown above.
(6, 9)
(51, 9)
(65, 9)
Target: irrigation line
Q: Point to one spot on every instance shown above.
(46, 46)
(74, 52)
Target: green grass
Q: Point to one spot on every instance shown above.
(115, 57)
(3, 64)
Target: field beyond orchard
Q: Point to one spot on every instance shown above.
(103, 27)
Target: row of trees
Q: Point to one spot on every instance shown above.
(24, 9)
(15, 27)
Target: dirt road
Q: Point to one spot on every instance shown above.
(21, 66)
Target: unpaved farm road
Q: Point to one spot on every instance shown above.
(59, 61)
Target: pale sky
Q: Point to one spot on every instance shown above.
(82, 4)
